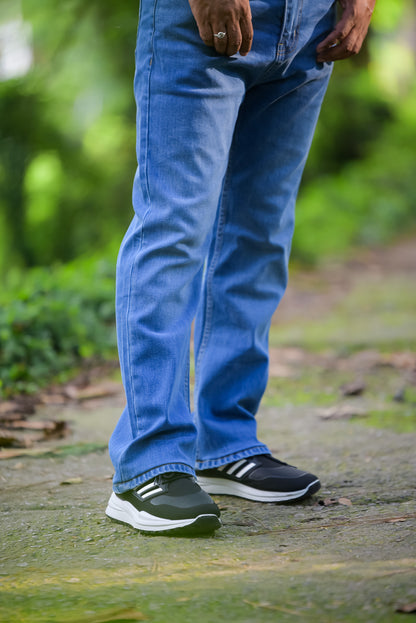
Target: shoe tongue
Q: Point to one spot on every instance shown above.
(268, 460)
(171, 476)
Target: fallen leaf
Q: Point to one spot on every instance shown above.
(92, 391)
(72, 481)
(345, 501)
(407, 608)
(341, 412)
(280, 370)
(6, 407)
(10, 407)
(328, 502)
(10, 416)
(10, 435)
(47, 426)
(9, 438)
(53, 399)
(335, 501)
(404, 361)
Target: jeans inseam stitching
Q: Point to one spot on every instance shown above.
(210, 275)
(147, 189)
(129, 350)
(186, 382)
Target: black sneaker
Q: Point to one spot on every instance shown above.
(261, 478)
(171, 503)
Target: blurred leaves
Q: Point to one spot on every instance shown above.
(51, 319)
(67, 154)
(67, 131)
(67, 160)
(369, 201)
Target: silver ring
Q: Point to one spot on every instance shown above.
(220, 35)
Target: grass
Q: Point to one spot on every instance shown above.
(378, 315)
(164, 588)
(375, 318)
(400, 419)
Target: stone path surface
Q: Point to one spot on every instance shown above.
(348, 554)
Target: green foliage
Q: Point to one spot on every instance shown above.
(51, 319)
(67, 159)
(369, 201)
(67, 130)
(354, 113)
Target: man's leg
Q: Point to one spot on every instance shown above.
(247, 269)
(187, 108)
(186, 115)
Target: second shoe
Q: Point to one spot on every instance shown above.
(261, 478)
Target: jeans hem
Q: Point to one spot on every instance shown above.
(230, 458)
(122, 487)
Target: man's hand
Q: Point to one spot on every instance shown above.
(233, 17)
(348, 35)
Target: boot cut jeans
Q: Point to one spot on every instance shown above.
(221, 146)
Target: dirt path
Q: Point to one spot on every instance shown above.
(341, 401)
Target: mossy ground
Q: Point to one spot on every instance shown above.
(62, 560)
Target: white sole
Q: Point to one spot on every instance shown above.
(124, 512)
(219, 486)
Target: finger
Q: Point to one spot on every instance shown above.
(220, 41)
(350, 46)
(334, 39)
(234, 39)
(205, 32)
(246, 28)
(340, 32)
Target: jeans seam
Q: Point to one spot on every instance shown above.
(186, 383)
(210, 275)
(129, 349)
(282, 48)
(146, 195)
(147, 141)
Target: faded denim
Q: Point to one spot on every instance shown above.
(221, 146)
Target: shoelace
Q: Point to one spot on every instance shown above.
(170, 477)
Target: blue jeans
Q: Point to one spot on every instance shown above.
(221, 146)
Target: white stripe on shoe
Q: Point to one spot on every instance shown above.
(148, 490)
(244, 464)
(235, 466)
(244, 470)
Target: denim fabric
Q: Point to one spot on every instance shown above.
(221, 146)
